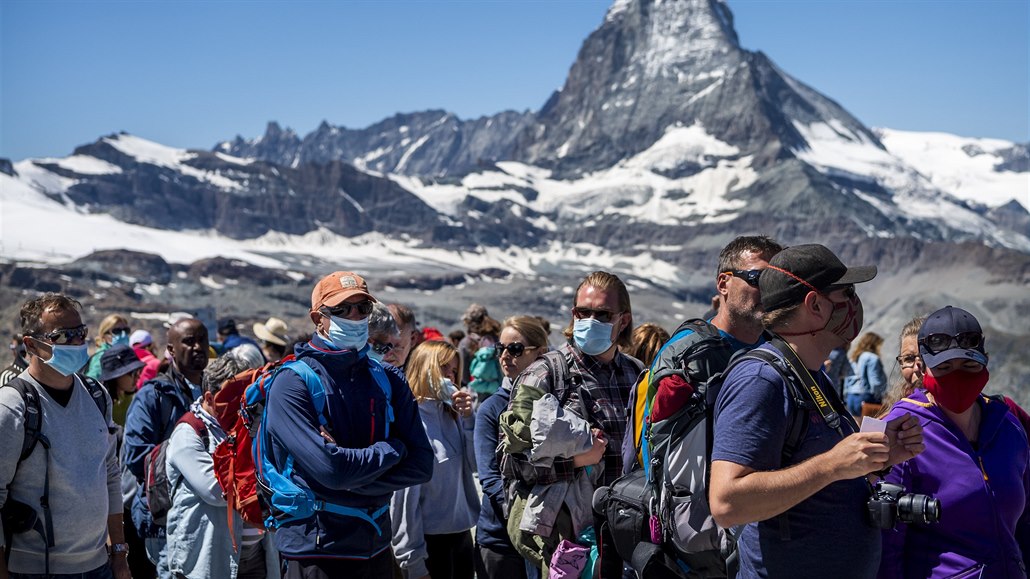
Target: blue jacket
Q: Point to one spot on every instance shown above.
(984, 491)
(868, 377)
(362, 468)
(151, 417)
(491, 530)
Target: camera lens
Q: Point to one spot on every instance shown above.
(914, 508)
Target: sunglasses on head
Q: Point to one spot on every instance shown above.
(515, 349)
(381, 348)
(937, 343)
(750, 276)
(65, 335)
(343, 310)
(603, 316)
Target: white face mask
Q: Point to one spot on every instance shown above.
(447, 389)
(347, 334)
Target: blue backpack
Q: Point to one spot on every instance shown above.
(285, 499)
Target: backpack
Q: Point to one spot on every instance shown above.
(485, 371)
(286, 501)
(659, 515)
(156, 485)
(17, 516)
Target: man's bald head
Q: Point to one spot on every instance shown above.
(188, 345)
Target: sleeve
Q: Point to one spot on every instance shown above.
(293, 425)
(140, 433)
(417, 465)
(190, 458)
(409, 541)
(114, 468)
(877, 378)
(751, 417)
(893, 553)
(530, 386)
(12, 432)
(485, 442)
(1023, 525)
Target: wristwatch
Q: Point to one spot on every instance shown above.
(119, 549)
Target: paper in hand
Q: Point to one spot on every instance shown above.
(870, 424)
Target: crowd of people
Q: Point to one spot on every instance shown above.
(377, 448)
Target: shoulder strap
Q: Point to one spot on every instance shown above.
(96, 391)
(198, 426)
(829, 406)
(33, 415)
(379, 374)
(797, 425)
(314, 384)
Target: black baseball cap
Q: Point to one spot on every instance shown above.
(951, 321)
(118, 361)
(799, 269)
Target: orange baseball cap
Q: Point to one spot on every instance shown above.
(333, 289)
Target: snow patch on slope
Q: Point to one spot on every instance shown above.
(153, 153)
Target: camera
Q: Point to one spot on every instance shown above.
(890, 504)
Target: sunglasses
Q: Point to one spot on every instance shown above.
(848, 289)
(750, 276)
(65, 335)
(116, 331)
(343, 310)
(515, 349)
(381, 348)
(907, 361)
(603, 316)
(937, 343)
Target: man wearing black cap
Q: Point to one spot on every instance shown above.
(803, 507)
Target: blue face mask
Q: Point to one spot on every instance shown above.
(375, 355)
(68, 359)
(447, 388)
(347, 334)
(591, 336)
(120, 338)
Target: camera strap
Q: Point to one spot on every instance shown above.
(832, 413)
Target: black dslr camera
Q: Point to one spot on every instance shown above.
(891, 504)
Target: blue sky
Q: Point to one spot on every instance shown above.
(191, 73)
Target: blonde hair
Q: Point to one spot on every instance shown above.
(423, 369)
(531, 329)
(106, 324)
(869, 342)
(647, 340)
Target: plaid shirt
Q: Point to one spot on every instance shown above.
(604, 390)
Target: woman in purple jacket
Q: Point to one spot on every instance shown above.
(976, 463)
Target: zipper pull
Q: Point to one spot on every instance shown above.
(982, 469)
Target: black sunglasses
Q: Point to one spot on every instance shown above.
(603, 316)
(381, 348)
(937, 343)
(848, 289)
(115, 331)
(343, 310)
(515, 349)
(64, 335)
(750, 276)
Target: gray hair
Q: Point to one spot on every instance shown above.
(220, 370)
(248, 355)
(381, 321)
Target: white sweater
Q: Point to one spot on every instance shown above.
(84, 479)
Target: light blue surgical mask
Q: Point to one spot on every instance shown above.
(68, 359)
(591, 336)
(447, 389)
(347, 334)
(120, 338)
(375, 355)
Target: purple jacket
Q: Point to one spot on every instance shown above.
(984, 530)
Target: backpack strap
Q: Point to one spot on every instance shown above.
(33, 415)
(314, 384)
(96, 391)
(379, 374)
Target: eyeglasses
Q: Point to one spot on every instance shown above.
(937, 343)
(908, 361)
(343, 310)
(515, 349)
(848, 289)
(603, 316)
(65, 335)
(381, 348)
(750, 276)
(116, 331)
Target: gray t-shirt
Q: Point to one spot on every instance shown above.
(828, 532)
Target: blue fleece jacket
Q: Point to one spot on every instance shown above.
(362, 468)
(491, 530)
(984, 529)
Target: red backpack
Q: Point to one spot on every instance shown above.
(233, 459)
